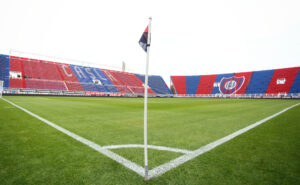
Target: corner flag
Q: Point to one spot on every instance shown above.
(145, 44)
(144, 40)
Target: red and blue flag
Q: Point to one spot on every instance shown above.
(144, 39)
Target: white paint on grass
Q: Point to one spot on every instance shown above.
(157, 171)
(182, 159)
(177, 150)
(125, 162)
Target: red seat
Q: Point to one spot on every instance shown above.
(126, 82)
(286, 76)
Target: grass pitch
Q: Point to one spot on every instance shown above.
(34, 153)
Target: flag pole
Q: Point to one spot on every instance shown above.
(146, 102)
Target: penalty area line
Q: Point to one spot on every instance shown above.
(125, 162)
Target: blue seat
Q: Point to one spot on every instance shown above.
(86, 77)
(4, 69)
(296, 84)
(259, 82)
(156, 83)
(192, 83)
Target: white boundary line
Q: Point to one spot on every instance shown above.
(177, 150)
(125, 162)
(159, 170)
(182, 159)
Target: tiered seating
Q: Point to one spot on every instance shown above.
(216, 89)
(127, 82)
(16, 83)
(44, 84)
(28, 72)
(56, 85)
(38, 74)
(20, 73)
(67, 74)
(74, 86)
(16, 65)
(206, 84)
(86, 77)
(259, 82)
(282, 80)
(268, 82)
(247, 76)
(296, 85)
(34, 84)
(49, 71)
(156, 83)
(38, 69)
(192, 83)
(119, 84)
(105, 81)
(4, 69)
(111, 88)
(179, 83)
(186, 84)
(91, 87)
(130, 81)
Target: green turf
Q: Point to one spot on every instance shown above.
(34, 153)
(137, 155)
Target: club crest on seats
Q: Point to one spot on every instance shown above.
(231, 85)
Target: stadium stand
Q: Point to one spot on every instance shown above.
(127, 82)
(116, 82)
(259, 82)
(267, 82)
(4, 69)
(192, 83)
(105, 81)
(296, 85)
(40, 74)
(32, 74)
(282, 80)
(206, 84)
(68, 76)
(156, 83)
(179, 83)
(21, 74)
(16, 78)
(87, 78)
(44, 84)
(247, 76)
(218, 81)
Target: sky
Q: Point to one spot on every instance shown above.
(189, 37)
